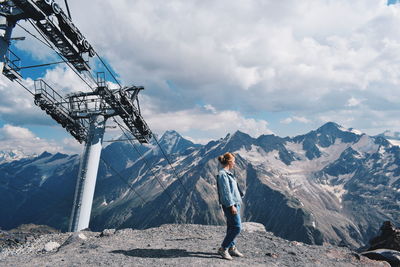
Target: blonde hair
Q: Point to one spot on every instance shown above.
(225, 158)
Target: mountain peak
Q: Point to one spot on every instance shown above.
(44, 155)
(172, 142)
(170, 137)
(240, 134)
(329, 126)
(171, 132)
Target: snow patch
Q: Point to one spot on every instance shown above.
(355, 131)
(14, 154)
(336, 190)
(256, 155)
(366, 145)
(394, 142)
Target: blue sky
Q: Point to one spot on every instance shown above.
(392, 2)
(214, 67)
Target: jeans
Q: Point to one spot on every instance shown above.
(234, 226)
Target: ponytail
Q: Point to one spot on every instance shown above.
(224, 159)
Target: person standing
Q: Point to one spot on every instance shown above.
(230, 197)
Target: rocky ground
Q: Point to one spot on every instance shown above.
(169, 245)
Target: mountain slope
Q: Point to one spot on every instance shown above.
(331, 185)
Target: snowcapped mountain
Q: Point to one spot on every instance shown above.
(37, 189)
(14, 154)
(331, 185)
(392, 137)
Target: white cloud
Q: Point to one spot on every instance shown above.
(210, 108)
(264, 55)
(204, 46)
(287, 121)
(22, 139)
(295, 118)
(71, 146)
(352, 102)
(17, 105)
(14, 132)
(240, 57)
(203, 125)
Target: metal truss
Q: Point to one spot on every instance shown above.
(58, 108)
(122, 102)
(53, 24)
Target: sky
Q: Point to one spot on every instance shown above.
(213, 67)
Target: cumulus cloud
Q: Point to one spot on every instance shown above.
(315, 60)
(201, 124)
(251, 56)
(22, 139)
(352, 102)
(17, 105)
(295, 118)
(71, 146)
(13, 132)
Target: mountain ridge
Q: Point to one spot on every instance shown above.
(327, 184)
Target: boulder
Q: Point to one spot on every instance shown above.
(75, 238)
(107, 232)
(389, 255)
(253, 227)
(51, 246)
(388, 238)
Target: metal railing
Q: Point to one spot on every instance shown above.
(13, 61)
(51, 95)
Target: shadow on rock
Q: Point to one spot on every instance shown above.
(164, 253)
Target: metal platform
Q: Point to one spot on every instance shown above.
(57, 107)
(11, 66)
(122, 102)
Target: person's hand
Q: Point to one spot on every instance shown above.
(233, 210)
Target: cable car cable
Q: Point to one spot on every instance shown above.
(59, 54)
(146, 161)
(41, 65)
(105, 65)
(122, 178)
(66, 5)
(20, 83)
(169, 162)
(37, 38)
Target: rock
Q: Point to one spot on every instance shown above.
(272, 255)
(50, 246)
(107, 232)
(253, 227)
(74, 238)
(295, 243)
(391, 256)
(388, 238)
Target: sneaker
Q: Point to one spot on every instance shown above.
(224, 253)
(235, 252)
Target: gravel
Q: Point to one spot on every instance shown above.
(174, 245)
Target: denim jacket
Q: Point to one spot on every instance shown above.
(228, 190)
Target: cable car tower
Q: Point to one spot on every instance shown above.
(82, 114)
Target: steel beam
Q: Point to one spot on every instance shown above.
(86, 182)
